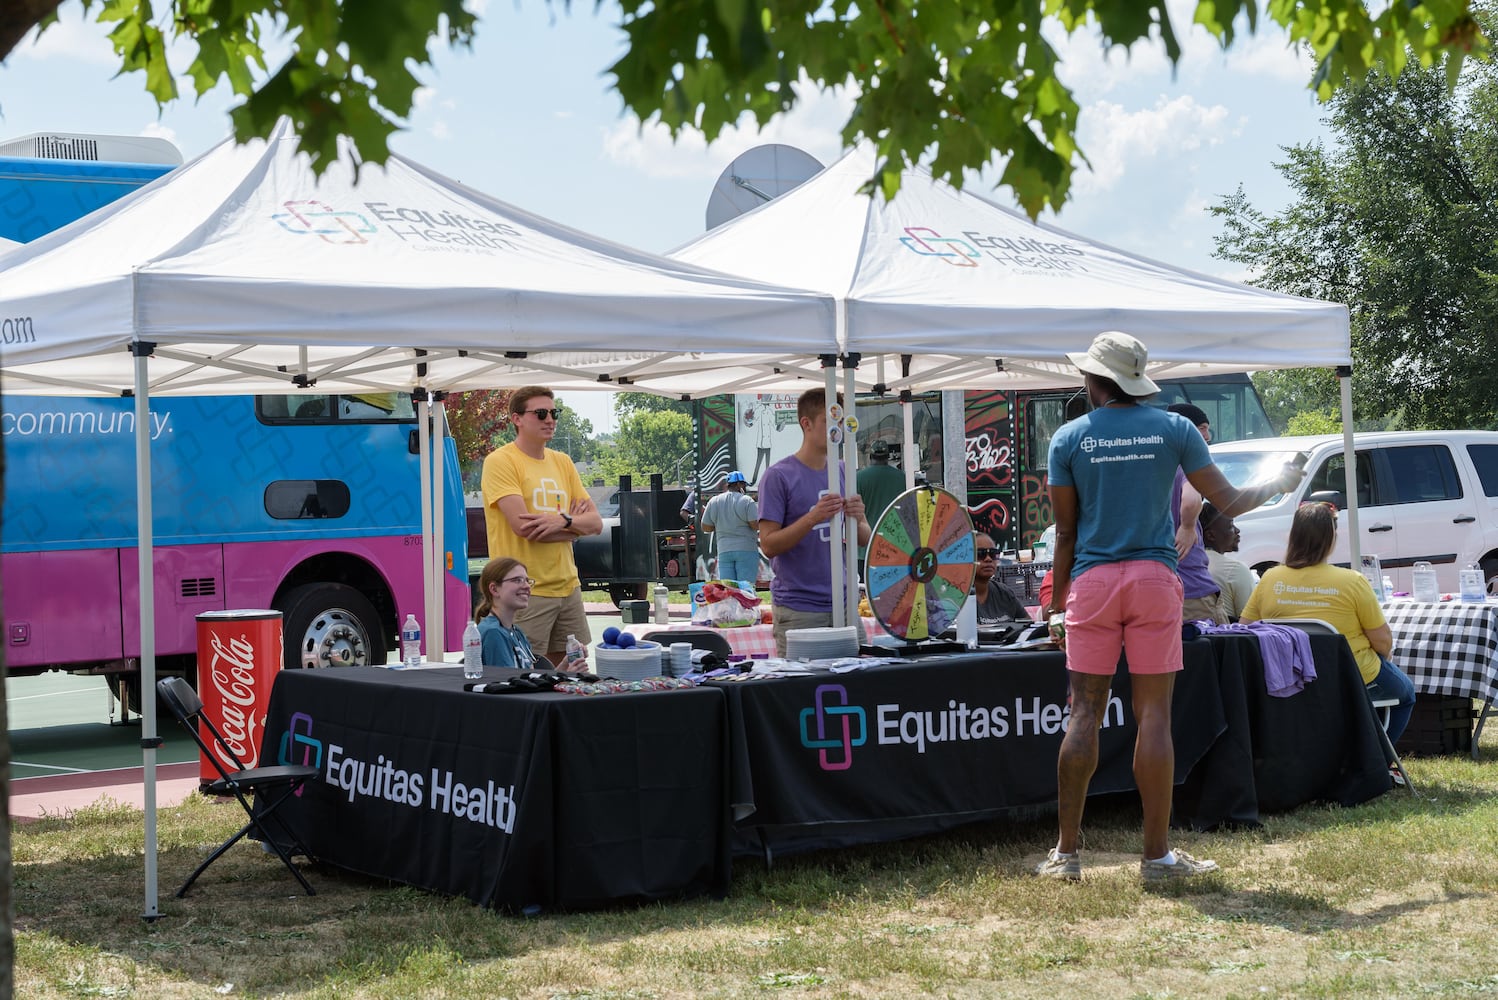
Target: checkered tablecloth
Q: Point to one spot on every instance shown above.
(1447, 648)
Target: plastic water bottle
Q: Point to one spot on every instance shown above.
(1424, 576)
(473, 652)
(662, 605)
(411, 642)
(576, 660)
(1473, 587)
(1388, 589)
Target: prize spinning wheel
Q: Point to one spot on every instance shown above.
(920, 563)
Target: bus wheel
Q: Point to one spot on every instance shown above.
(621, 592)
(330, 625)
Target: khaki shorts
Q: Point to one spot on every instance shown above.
(789, 618)
(548, 621)
(1210, 608)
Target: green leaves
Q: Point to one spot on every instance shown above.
(959, 84)
(1398, 220)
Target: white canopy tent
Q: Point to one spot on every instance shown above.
(243, 272)
(969, 294)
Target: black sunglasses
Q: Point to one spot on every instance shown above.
(541, 414)
(981, 554)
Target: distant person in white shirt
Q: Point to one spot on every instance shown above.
(1236, 581)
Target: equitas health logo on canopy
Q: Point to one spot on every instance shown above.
(835, 728)
(974, 249)
(421, 228)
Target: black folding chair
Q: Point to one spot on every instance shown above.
(1381, 707)
(264, 782)
(709, 639)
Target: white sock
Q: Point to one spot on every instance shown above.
(1169, 859)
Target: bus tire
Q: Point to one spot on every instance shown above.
(330, 625)
(621, 592)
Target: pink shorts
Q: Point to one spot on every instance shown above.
(1132, 607)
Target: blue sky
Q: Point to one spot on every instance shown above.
(527, 116)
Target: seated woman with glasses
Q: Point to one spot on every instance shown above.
(1307, 586)
(506, 589)
(997, 605)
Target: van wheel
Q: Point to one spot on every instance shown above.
(1490, 571)
(330, 625)
(621, 592)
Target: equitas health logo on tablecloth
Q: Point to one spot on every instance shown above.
(421, 228)
(383, 778)
(834, 727)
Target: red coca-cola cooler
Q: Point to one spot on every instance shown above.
(239, 653)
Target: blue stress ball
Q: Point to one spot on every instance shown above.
(626, 640)
(610, 635)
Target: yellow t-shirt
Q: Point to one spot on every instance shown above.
(547, 485)
(1341, 598)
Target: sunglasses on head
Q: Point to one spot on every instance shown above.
(981, 554)
(555, 413)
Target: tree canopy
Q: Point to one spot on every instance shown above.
(1399, 219)
(955, 83)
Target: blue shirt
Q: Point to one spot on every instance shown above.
(1122, 462)
(505, 647)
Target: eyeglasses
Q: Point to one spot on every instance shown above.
(527, 581)
(555, 413)
(981, 554)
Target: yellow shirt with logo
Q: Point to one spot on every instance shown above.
(1340, 597)
(547, 485)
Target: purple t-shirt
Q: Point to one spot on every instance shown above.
(1194, 570)
(803, 575)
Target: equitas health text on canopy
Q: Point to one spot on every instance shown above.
(443, 228)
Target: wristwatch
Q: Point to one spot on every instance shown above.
(566, 519)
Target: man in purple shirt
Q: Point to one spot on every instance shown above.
(1203, 596)
(795, 509)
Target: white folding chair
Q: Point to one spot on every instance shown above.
(1381, 706)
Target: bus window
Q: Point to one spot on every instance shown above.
(363, 407)
(289, 499)
(1044, 418)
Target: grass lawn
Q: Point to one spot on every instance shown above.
(1395, 898)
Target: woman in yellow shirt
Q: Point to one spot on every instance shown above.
(1307, 586)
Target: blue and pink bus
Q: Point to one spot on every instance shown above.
(309, 504)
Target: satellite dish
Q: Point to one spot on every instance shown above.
(757, 176)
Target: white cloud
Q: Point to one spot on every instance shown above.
(1117, 140)
(70, 38)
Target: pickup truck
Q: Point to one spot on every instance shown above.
(1427, 496)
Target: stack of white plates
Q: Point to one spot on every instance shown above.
(633, 664)
(821, 643)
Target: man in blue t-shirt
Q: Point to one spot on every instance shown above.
(1114, 573)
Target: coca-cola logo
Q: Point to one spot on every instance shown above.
(232, 670)
(988, 460)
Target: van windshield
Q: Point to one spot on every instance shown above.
(1250, 468)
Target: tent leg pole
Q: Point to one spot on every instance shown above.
(1354, 537)
(146, 576)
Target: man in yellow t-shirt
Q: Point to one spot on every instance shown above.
(535, 506)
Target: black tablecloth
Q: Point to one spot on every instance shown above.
(893, 751)
(548, 800)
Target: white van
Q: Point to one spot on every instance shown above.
(1422, 495)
